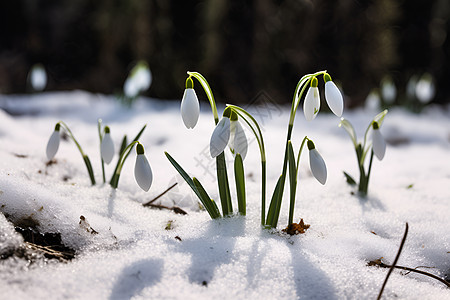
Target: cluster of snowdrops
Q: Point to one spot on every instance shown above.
(229, 133)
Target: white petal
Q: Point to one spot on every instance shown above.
(378, 144)
(220, 137)
(53, 145)
(311, 105)
(334, 98)
(240, 140)
(317, 165)
(190, 108)
(107, 148)
(142, 172)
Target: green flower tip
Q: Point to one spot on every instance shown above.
(326, 77)
(139, 149)
(311, 145)
(228, 112)
(314, 82)
(57, 126)
(189, 83)
(234, 116)
(375, 125)
(107, 129)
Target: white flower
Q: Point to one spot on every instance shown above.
(425, 89)
(220, 137)
(388, 90)
(142, 170)
(311, 105)
(138, 81)
(378, 142)
(190, 108)
(53, 143)
(334, 98)
(238, 140)
(38, 77)
(317, 164)
(107, 147)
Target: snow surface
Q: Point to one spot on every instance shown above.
(135, 257)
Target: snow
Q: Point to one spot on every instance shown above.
(134, 256)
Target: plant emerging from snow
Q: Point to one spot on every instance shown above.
(375, 145)
(229, 132)
(143, 172)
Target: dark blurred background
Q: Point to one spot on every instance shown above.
(241, 47)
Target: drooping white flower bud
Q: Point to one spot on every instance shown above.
(107, 147)
(238, 140)
(317, 164)
(142, 170)
(220, 137)
(53, 143)
(333, 96)
(378, 142)
(311, 105)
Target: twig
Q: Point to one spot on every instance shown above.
(395, 261)
(175, 209)
(160, 195)
(383, 265)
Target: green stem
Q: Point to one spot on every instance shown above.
(85, 157)
(368, 172)
(100, 136)
(208, 92)
(123, 156)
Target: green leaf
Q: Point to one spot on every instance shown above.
(292, 181)
(224, 188)
(140, 133)
(350, 130)
(240, 183)
(271, 214)
(380, 117)
(114, 182)
(350, 179)
(123, 145)
(89, 168)
(206, 201)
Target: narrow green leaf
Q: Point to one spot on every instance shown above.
(380, 117)
(350, 130)
(123, 145)
(274, 203)
(292, 181)
(207, 202)
(224, 187)
(89, 168)
(240, 183)
(140, 133)
(350, 179)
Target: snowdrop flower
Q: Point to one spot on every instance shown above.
(53, 143)
(238, 140)
(316, 163)
(107, 147)
(38, 77)
(220, 137)
(190, 107)
(142, 170)
(311, 105)
(138, 81)
(378, 142)
(425, 90)
(333, 96)
(388, 90)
